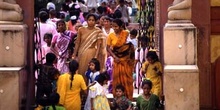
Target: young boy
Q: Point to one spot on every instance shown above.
(46, 82)
(120, 102)
(132, 38)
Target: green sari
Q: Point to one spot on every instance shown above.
(148, 104)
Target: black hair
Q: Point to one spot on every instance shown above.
(134, 32)
(148, 82)
(152, 55)
(97, 63)
(108, 18)
(73, 67)
(92, 14)
(81, 1)
(53, 12)
(48, 35)
(73, 8)
(43, 15)
(61, 16)
(60, 21)
(85, 14)
(119, 22)
(74, 12)
(121, 1)
(65, 7)
(102, 77)
(120, 87)
(100, 9)
(117, 14)
(50, 58)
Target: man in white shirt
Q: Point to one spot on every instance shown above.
(92, 4)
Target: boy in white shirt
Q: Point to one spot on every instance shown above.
(132, 38)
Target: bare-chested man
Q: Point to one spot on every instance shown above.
(10, 11)
(180, 10)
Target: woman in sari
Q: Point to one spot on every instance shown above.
(69, 86)
(123, 55)
(89, 44)
(62, 41)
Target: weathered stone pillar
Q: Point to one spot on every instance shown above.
(13, 76)
(181, 74)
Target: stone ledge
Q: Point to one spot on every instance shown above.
(179, 26)
(12, 27)
(10, 23)
(10, 68)
(181, 69)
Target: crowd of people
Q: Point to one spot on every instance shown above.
(87, 51)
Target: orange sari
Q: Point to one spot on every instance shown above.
(122, 71)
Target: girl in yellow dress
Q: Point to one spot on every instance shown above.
(69, 86)
(152, 69)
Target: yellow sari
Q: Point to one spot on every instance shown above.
(70, 98)
(122, 71)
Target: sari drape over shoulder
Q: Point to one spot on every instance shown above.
(122, 71)
(62, 42)
(87, 46)
(148, 104)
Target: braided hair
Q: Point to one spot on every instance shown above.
(73, 67)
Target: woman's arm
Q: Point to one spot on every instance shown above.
(77, 43)
(112, 54)
(92, 108)
(99, 43)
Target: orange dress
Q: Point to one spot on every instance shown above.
(122, 71)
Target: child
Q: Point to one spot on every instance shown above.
(147, 101)
(120, 102)
(93, 71)
(152, 69)
(97, 94)
(46, 82)
(140, 58)
(69, 87)
(46, 48)
(132, 38)
(54, 100)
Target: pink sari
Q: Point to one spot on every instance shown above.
(62, 42)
